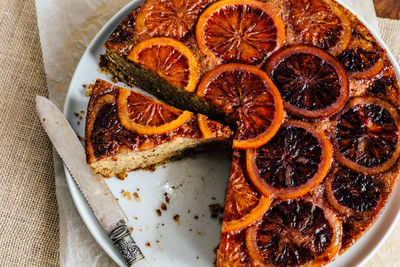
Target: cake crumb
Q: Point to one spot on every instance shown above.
(196, 217)
(215, 210)
(89, 91)
(197, 257)
(76, 114)
(158, 211)
(176, 219)
(136, 218)
(122, 176)
(82, 111)
(44, 119)
(174, 187)
(117, 199)
(84, 85)
(157, 241)
(131, 229)
(201, 233)
(163, 206)
(136, 195)
(127, 195)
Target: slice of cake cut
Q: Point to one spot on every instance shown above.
(126, 130)
(161, 47)
(142, 54)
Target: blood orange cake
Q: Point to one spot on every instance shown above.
(126, 130)
(313, 100)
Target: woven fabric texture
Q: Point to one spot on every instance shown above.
(29, 233)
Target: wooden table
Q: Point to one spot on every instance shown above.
(387, 8)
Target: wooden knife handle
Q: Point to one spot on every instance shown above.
(121, 237)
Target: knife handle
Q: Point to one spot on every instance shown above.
(121, 237)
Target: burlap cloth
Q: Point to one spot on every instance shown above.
(29, 230)
(29, 234)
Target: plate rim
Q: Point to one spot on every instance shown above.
(90, 220)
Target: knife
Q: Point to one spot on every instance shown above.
(104, 205)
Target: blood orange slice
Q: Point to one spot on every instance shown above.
(292, 163)
(92, 134)
(239, 31)
(147, 116)
(246, 94)
(318, 23)
(168, 18)
(212, 129)
(363, 58)
(367, 135)
(170, 59)
(384, 86)
(350, 192)
(244, 205)
(295, 233)
(312, 83)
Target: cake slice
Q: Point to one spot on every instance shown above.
(166, 47)
(164, 66)
(126, 130)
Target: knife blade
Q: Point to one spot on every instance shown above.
(104, 205)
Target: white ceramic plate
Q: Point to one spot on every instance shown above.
(198, 182)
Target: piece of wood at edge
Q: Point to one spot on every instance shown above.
(387, 8)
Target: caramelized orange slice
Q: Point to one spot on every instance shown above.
(315, 22)
(244, 205)
(170, 59)
(101, 102)
(295, 161)
(239, 31)
(295, 232)
(246, 94)
(367, 135)
(168, 18)
(212, 129)
(144, 115)
(361, 63)
(312, 83)
(350, 192)
(363, 58)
